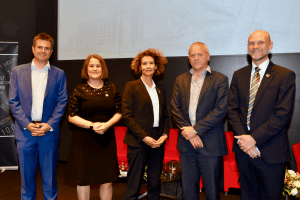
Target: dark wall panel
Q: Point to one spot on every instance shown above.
(18, 24)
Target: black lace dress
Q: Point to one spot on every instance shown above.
(92, 157)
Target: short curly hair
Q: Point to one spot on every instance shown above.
(158, 57)
(84, 71)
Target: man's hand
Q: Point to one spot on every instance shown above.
(187, 132)
(246, 142)
(160, 141)
(253, 152)
(196, 142)
(35, 129)
(44, 127)
(149, 141)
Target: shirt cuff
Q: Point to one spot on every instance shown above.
(255, 147)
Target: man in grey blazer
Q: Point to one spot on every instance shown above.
(198, 107)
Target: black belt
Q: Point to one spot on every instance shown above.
(36, 122)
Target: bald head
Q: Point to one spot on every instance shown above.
(262, 33)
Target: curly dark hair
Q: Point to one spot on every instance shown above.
(158, 57)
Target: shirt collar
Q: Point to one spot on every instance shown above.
(207, 70)
(34, 67)
(263, 66)
(153, 86)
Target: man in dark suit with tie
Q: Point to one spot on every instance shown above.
(261, 100)
(198, 107)
(37, 98)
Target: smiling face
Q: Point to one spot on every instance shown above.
(148, 66)
(259, 45)
(198, 57)
(94, 69)
(42, 51)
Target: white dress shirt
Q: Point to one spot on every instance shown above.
(39, 82)
(263, 67)
(155, 102)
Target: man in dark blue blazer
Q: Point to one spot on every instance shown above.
(37, 98)
(198, 107)
(261, 144)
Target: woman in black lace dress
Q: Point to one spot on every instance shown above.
(95, 106)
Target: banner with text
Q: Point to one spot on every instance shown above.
(8, 148)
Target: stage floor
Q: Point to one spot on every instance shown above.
(10, 185)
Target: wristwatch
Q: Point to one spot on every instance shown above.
(194, 131)
(91, 126)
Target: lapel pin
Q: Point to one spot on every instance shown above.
(267, 75)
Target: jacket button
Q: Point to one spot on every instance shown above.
(245, 124)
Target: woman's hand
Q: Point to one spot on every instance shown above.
(100, 127)
(160, 141)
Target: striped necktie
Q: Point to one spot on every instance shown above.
(253, 91)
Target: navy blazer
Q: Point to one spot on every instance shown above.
(211, 110)
(20, 100)
(272, 110)
(137, 112)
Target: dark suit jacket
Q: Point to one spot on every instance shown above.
(137, 112)
(210, 112)
(20, 100)
(271, 112)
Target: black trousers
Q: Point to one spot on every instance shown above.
(138, 157)
(260, 180)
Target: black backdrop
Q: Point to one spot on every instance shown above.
(24, 19)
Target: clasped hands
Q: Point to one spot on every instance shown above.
(38, 129)
(188, 134)
(247, 144)
(100, 127)
(155, 143)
